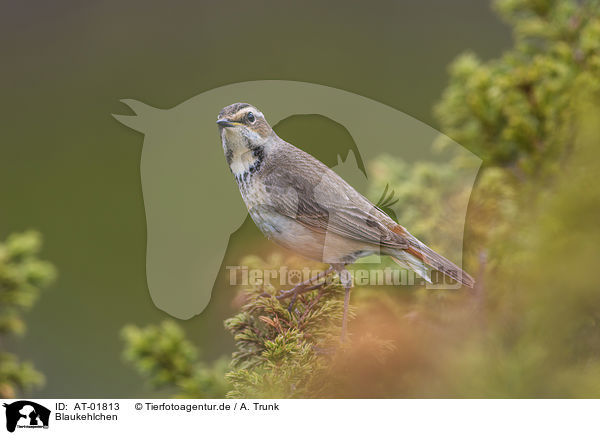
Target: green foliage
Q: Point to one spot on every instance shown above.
(431, 189)
(298, 353)
(533, 116)
(543, 336)
(518, 111)
(163, 355)
(22, 276)
(282, 353)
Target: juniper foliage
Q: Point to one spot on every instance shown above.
(162, 354)
(22, 276)
(283, 353)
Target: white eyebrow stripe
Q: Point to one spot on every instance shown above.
(248, 109)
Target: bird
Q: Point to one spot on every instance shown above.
(301, 204)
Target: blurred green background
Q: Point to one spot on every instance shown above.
(69, 170)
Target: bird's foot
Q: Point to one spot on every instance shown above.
(303, 287)
(296, 291)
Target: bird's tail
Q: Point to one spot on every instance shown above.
(422, 260)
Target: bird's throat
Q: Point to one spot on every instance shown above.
(245, 164)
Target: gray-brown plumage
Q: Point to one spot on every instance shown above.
(301, 204)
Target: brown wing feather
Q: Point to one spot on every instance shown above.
(306, 190)
(303, 188)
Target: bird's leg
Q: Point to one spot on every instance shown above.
(303, 287)
(346, 280)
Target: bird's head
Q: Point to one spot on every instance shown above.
(242, 125)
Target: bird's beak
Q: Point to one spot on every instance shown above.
(225, 123)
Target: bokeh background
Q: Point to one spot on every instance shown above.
(71, 171)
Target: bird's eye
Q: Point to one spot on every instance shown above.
(251, 117)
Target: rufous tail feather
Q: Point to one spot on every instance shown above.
(422, 260)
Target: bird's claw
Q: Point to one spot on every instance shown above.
(295, 292)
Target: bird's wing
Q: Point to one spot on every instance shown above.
(306, 190)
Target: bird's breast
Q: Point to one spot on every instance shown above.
(252, 188)
(253, 191)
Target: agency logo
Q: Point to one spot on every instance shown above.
(25, 414)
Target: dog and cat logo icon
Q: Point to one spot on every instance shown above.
(25, 414)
